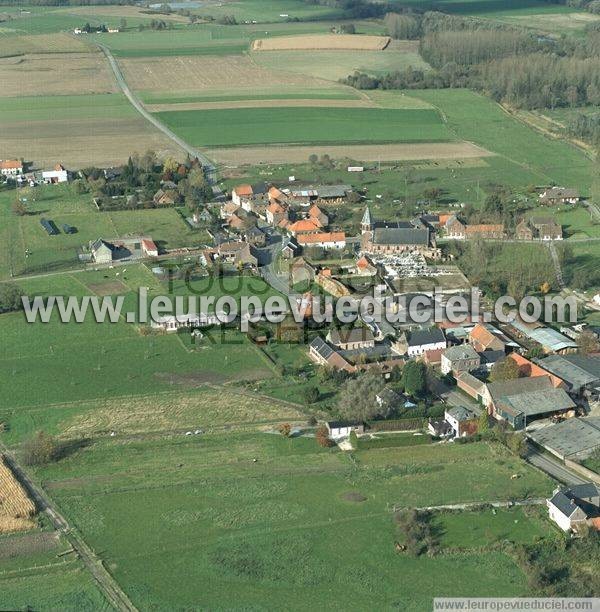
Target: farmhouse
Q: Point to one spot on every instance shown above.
(576, 506)
(342, 429)
(325, 240)
(57, 175)
(482, 339)
(539, 228)
(236, 253)
(459, 358)
(249, 193)
(323, 354)
(458, 230)
(166, 197)
(275, 213)
(304, 226)
(149, 247)
(471, 385)
(521, 400)
(581, 373)
(528, 369)
(462, 421)
(11, 167)
(102, 251)
(419, 342)
(559, 195)
(350, 339)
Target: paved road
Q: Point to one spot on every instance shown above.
(211, 171)
(269, 273)
(106, 583)
(552, 467)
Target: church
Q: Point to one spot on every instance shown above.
(397, 237)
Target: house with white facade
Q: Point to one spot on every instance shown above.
(576, 506)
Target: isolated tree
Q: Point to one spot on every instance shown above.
(545, 287)
(432, 194)
(285, 429)
(505, 369)
(311, 395)
(19, 208)
(10, 297)
(414, 378)
(40, 449)
(123, 23)
(357, 397)
(484, 423)
(322, 437)
(313, 159)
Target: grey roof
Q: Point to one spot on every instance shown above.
(492, 356)
(577, 370)
(460, 413)
(583, 496)
(367, 219)
(461, 351)
(570, 437)
(546, 336)
(505, 388)
(333, 191)
(356, 334)
(426, 336)
(566, 505)
(536, 402)
(471, 381)
(391, 236)
(322, 348)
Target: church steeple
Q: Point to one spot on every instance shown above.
(366, 225)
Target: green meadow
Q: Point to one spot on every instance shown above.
(37, 572)
(306, 125)
(27, 248)
(473, 117)
(260, 519)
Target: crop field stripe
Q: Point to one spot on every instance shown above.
(306, 125)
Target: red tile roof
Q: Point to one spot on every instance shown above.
(322, 237)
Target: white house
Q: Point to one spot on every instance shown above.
(325, 240)
(11, 167)
(422, 341)
(342, 429)
(462, 420)
(58, 175)
(149, 247)
(576, 506)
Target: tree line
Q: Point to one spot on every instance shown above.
(511, 65)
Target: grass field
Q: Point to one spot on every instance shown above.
(200, 40)
(267, 11)
(305, 125)
(477, 119)
(267, 531)
(61, 204)
(335, 65)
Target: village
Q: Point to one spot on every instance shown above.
(530, 378)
